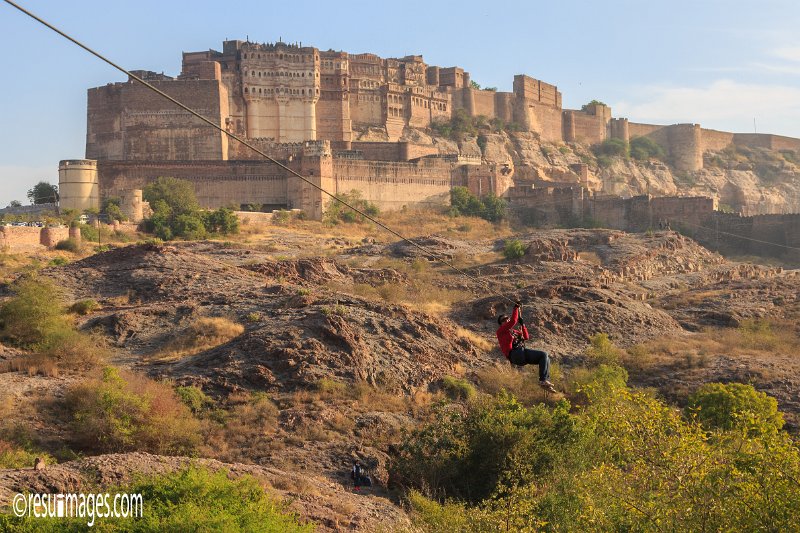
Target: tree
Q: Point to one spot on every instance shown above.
(643, 148)
(494, 208)
(111, 208)
(735, 405)
(585, 107)
(474, 85)
(611, 147)
(14, 203)
(43, 193)
(223, 221)
(178, 195)
(337, 212)
(490, 207)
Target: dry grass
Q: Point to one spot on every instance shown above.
(521, 383)
(590, 257)
(411, 222)
(124, 411)
(202, 334)
(478, 341)
(420, 294)
(244, 431)
(691, 298)
(762, 339)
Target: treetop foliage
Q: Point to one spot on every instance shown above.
(177, 214)
(43, 193)
(622, 460)
(464, 203)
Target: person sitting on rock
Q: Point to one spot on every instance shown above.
(359, 477)
(512, 344)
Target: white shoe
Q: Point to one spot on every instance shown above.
(546, 385)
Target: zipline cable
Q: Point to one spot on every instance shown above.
(430, 253)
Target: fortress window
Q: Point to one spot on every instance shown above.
(253, 73)
(245, 90)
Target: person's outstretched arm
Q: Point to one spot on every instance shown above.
(511, 323)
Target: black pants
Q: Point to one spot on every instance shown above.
(524, 356)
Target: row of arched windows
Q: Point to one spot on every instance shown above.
(279, 90)
(288, 57)
(281, 73)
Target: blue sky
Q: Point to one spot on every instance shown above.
(718, 63)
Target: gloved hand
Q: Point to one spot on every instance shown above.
(517, 304)
(521, 321)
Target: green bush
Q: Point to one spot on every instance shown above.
(194, 499)
(222, 221)
(465, 455)
(514, 249)
(122, 412)
(621, 461)
(34, 314)
(89, 233)
(189, 226)
(490, 207)
(458, 388)
(338, 212)
(68, 245)
(194, 398)
(612, 148)
(735, 405)
(177, 214)
(111, 208)
(58, 261)
(84, 307)
(643, 148)
(12, 456)
(602, 351)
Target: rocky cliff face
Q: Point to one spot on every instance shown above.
(750, 181)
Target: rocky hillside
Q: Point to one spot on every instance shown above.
(339, 346)
(750, 181)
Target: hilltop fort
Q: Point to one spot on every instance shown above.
(347, 122)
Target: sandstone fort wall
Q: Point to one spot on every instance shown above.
(392, 186)
(127, 121)
(25, 238)
(216, 183)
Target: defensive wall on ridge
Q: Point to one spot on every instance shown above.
(696, 217)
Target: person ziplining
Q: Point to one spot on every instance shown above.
(512, 344)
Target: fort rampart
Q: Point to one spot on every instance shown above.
(697, 217)
(25, 238)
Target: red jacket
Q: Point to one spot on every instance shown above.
(506, 333)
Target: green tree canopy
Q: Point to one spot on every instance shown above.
(643, 148)
(176, 212)
(43, 193)
(178, 195)
(490, 207)
(735, 405)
